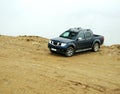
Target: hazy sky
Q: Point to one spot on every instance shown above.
(49, 18)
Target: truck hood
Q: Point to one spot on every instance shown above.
(60, 39)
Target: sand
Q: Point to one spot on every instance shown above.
(28, 67)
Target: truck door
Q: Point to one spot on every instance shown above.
(88, 39)
(81, 41)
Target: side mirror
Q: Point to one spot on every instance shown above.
(80, 38)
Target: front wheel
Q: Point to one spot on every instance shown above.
(69, 52)
(96, 47)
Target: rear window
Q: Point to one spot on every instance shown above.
(88, 35)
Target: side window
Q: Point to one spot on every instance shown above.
(88, 35)
(82, 36)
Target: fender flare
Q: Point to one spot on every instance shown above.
(96, 41)
(72, 44)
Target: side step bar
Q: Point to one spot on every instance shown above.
(83, 50)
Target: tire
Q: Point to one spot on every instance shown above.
(69, 52)
(96, 47)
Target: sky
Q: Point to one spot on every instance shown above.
(50, 18)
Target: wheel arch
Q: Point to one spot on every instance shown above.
(72, 45)
(96, 41)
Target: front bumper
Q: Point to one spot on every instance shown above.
(57, 49)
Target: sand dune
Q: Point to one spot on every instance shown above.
(27, 67)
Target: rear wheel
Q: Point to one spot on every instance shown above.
(69, 52)
(96, 47)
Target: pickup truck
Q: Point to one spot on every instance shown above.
(75, 40)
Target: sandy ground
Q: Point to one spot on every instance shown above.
(27, 67)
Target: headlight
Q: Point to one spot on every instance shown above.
(63, 44)
(50, 41)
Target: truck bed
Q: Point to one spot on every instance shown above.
(100, 37)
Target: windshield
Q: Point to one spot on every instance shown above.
(69, 35)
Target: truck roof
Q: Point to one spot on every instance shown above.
(78, 29)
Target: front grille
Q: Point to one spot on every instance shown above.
(56, 43)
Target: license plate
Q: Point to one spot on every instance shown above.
(53, 49)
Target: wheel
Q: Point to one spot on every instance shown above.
(96, 47)
(69, 52)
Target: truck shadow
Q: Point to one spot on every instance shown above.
(83, 52)
(75, 54)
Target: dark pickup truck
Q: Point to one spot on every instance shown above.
(75, 40)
